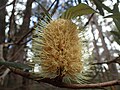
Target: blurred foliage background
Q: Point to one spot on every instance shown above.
(18, 18)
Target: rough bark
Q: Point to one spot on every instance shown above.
(2, 20)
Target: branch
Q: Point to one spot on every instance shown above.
(51, 5)
(97, 85)
(30, 31)
(116, 60)
(26, 22)
(55, 7)
(55, 81)
(2, 77)
(24, 36)
(6, 5)
(89, 20)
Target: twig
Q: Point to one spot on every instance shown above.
(2, 77)
(116, 60)
(16, 54)
(7, 70)
(11, 31)
(46, 11)
(51, 5)
(23, 43)
(55, 8)
(7, 44)
(26, 21)
(89, 20)
(21, 39)
(6, 5)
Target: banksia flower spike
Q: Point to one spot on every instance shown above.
(57, 48)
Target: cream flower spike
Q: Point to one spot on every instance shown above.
(57, 48)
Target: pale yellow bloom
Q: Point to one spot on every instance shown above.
(58, 51)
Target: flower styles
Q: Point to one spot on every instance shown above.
(58, 50)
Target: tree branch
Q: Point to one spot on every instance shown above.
(2, 77)
(89, 20)
(24, 36)
(55, 8)
(97, 85)
(55, 81)
(51, 5)
(6, 5)
(116, 60)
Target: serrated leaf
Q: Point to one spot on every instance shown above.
(16, 65)
(79, 10)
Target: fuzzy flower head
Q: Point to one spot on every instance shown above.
(61, 52)
(58, 49)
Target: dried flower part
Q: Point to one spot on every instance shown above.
(60, 53)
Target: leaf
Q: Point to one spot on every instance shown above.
(79, 1)
(45, 11)
(79, 10)
(16, 65)
(117, 34)
(99, 7)
(115, 15)
(106, 8)
(116, 8)
(116, 20)
(117, 40)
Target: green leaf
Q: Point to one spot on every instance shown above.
(116, 8)
(115, 12)
(99, 7)
(117, 34)
(117, 23)
(16, 65)
(79, 10)
(117, 40)
(115, 15)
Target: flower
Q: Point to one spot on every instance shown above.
(58, 50)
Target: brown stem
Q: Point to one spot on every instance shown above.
(55, 82)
